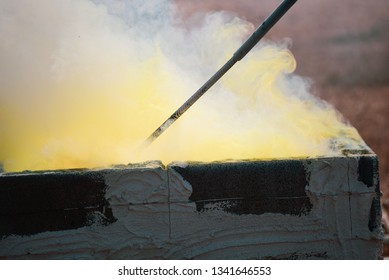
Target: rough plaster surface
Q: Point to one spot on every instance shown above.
(173, 212)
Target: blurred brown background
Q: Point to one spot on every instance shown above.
(343, 46)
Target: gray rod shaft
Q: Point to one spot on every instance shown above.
(238, 55)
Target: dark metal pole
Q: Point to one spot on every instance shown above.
(238, 55)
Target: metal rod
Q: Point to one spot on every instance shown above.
(238, 55)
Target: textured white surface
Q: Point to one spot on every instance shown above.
(156, 220)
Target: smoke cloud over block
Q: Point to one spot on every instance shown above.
(83, 83)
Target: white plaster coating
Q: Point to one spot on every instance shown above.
(328, 191)
(140, 231)
(156, 220)
(214, 234)
(328, 176)
(179, 189)
(181, 164)
(345, 204)
(116, 241)
(145, 224)
(359, 186)
(361, 205)
(140, 186)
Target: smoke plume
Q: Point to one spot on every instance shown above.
(83, 83)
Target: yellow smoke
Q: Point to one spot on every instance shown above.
(83, 85)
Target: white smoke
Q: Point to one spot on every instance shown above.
(83, 82)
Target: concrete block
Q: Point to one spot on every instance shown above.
(118, 213)
(328, 203)
(318, 208)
